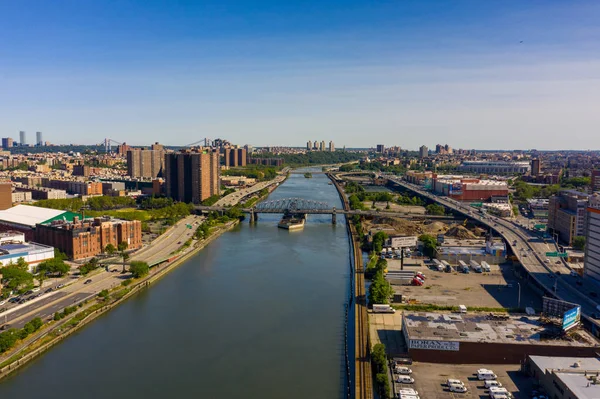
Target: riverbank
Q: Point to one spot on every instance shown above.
(54, 334)
(362, 372)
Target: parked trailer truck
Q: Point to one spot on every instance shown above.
(486, 267)
(475, 266)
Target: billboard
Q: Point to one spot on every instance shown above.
(434, 345)
(571, 318)
(403, 242)
(556, 307)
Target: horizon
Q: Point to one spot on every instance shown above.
(471, 74)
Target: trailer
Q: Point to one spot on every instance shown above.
(486, 267)
(475, 266)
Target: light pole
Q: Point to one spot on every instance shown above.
(519, 297)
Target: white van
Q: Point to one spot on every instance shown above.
(458, 388)
(408, 391)
(492, 383)
(486, 375)
(462, 309)
(404, 396)
(404, 379)
(402, 370)
(452, 381)
(498, 392)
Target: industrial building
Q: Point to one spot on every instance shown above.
(192, 175)
(567, 214)
(465, 338)
(490, 251)
(495, 167)
(469, 189)
(24, 218)
(83, 239)
(565, 377)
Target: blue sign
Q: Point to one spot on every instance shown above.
(571, 318)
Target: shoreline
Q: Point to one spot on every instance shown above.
(134, 289)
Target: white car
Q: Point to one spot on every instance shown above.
(404, 379)
(402, 370)
(458, 388)
(2, 303)
(36, 289)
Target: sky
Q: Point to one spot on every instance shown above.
(472, 74)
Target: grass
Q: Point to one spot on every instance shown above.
(431, 308)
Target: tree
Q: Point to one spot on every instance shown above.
(139, 269)
(16, 278)
(429, 244)
(21, 264)
(122, 246)
(434, 209)
(110, 249)
(54, 266)
(379, 239)
(380, 290)
(579, 243)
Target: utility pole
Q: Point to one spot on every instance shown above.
(519, 297)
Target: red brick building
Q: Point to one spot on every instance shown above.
(84, 239)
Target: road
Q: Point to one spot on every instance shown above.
(235, 197)
(530, 250)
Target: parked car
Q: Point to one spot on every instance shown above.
(36, 289)
(49, 290)
(60, 286)
(458, 388)
(2, 303)
(88, 281)
(402, 370)
(404, 379)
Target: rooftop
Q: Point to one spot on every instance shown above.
(516, 329)
(28, 215)
(572, 371)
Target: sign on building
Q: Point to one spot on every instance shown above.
(434, 345)
(403, 242)
(571, 318)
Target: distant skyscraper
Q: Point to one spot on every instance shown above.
(423, 152)
(322, 146)
(536, 166)
(380, 148)
(22, 138)
(438, 148)
(38, 139)
(7, 143)
(309, 145)
(331, 146)
(192, 176)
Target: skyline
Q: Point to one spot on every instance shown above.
(276, 74)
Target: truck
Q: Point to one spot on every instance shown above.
(438, 265)
(486, 267)
(475, 266)
(447, 267)
(377, 308)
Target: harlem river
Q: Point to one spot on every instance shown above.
(258, 313)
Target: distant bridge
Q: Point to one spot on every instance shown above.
(311, 207)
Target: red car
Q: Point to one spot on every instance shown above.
(416, 281)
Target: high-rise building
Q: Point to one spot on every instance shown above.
(331, 146)
(142, 162)
(380, 148)
(5, 195)
(192, 175)
(595, 186)
(591, 266)
(38, 139)
(309, 145)
(439, 148)
(536, 166)
(7, 143)
(22, 138)
(322, 145)
(423, 152)
(567, 214)
(235, 157)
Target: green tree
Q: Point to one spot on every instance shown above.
(379, 239)
(16, 278)
(54, 266)
(579, 243)
(435, 209)
(125, 257)
(139, 269)
(429, 244)
(21, 264)
(122, 246)
(110, 249)
(380, 290)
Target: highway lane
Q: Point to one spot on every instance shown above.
(235, 197)
(532, 257)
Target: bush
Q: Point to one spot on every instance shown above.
(103, 294)
(126, 283)
(57, 316)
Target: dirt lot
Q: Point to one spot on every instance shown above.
(430, 380)
(382, 205)
(496, 289)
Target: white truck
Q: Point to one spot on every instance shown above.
(486, 267)
(475, 266)
(377, 308)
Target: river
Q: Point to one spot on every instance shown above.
(258, 313)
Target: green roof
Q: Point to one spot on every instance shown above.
(65, 215)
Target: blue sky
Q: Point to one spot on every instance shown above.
(280, 73)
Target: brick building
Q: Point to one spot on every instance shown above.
(192, 175)
(146, 162)
(5, 195)
(235, 157)
(84, 239)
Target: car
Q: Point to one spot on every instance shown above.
(2, 303)
(60, 286)
(114, 271)
(557, 262)
(458, 388)
(36, 289)
(402, 370)
(88, 281)
(404, 379)
(49, 290)
(29, 292)
(547, 261)
(524, 255)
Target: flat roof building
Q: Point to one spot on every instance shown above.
(495, 167)
(565, 377)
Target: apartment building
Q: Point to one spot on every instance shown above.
(192, 175)
(567, 214)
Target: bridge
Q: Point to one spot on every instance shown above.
(311, 207)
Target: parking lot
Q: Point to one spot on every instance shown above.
(499, 288)
(430, 380)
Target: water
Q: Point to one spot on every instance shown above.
(257, 314)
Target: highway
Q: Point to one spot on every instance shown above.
(530, 250)
(235, 197)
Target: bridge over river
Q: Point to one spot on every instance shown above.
(301, 206)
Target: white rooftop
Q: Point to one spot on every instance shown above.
(573, 372)
(28, 215)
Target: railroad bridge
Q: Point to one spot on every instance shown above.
(293, 206)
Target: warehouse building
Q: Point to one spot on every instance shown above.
(496, 167)
(565, 377)
(468, 189)
(24, 218)
(462, 338)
